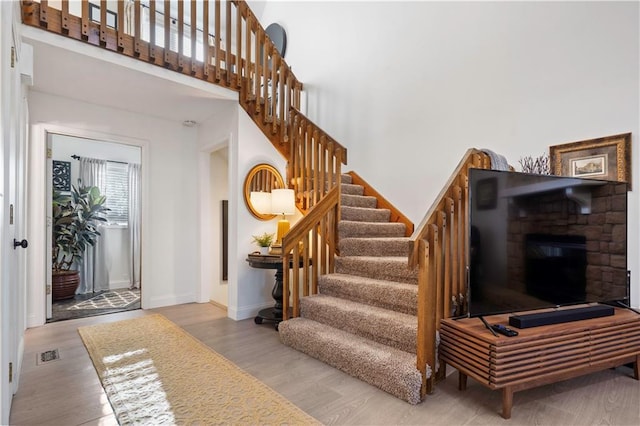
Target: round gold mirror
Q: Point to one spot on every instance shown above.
(257, 190)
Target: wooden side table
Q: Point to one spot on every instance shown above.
(270, 261)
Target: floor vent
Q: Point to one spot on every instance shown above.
(48, 356)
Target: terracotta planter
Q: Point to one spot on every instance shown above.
(64, 284)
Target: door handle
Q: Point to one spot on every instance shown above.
(23, 243)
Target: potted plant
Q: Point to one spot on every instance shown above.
(75, 219)
(263, 241)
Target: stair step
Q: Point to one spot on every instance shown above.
(345, 178)
(380, 247)
(381, 268)
(381, 325)
(361, 214)
(358, 201)
(349, 228)
(351, 189)
(396, 296)
(387, 368)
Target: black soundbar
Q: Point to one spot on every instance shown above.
(560, 316)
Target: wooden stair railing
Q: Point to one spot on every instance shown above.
(235, 53)
(440, 252)
(309, 249)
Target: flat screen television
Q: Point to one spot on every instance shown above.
(539, 241)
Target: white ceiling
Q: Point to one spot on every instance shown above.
(107, 78)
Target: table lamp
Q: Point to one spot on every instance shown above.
(282, 202)
(261, 201)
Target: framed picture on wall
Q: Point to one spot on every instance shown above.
(606, 158)
(61, 175)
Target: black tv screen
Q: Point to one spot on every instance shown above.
(539, 241)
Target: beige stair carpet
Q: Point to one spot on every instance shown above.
(363, 321)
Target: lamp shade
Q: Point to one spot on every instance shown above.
(283, 201)
(261, 201)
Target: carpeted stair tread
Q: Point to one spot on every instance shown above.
(396, 296)
(351, 189)
(349, 228)
(358, 201)
(363, 214)
(379, 247)
(382, 268)
(390, 369)
(378, 324)
(346, 178)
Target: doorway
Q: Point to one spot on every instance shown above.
(109, 271)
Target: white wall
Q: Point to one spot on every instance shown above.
(170, 255)
(116, 238)
(407, 87)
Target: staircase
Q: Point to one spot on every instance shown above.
(373, 310)
(363, 321)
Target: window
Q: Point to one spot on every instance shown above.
(117, 193)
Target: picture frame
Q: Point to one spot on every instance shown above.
(605, 158)
(61, 175)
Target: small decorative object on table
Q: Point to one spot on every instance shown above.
(263, 241)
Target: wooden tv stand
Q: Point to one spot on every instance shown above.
(538, 355)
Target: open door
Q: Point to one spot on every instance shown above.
(13, 135)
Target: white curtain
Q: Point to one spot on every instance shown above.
(94, 274)
(135, 197)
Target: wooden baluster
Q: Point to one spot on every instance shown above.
(44, 9)
(323, 246)
(296, 282)
(267, 80)
(206, 49)
(216, 40)
(286, 258)
(305, 269)
(317, 182)
(64, 13)
(120, 30)
(180, 35)
(281, 99)
(330, 163)
(439, 250)
(228, 62)
(103, 21)
(239, 69)
(167, 33)
(309, 163)
(152, 30)
(448, 257)
(249, 74)
(315, 259)
(274, 86)
(194, 35)
(85, 16)
(137, 27)
(322, 162)
(257, 76)
(333, 237)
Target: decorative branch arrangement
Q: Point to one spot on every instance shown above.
(538, 165)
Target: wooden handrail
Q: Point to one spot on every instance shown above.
(440, 252)
(311, 242)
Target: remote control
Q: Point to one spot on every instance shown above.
(504, 330)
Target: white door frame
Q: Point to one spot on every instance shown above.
(40, 210)
(206, 208)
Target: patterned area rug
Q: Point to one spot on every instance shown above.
(155, 373)
(109, 300)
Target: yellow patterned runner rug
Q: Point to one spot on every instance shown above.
(155, 373)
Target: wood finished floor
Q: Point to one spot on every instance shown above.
(68, 392)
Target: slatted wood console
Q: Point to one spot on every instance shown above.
(538, 355)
